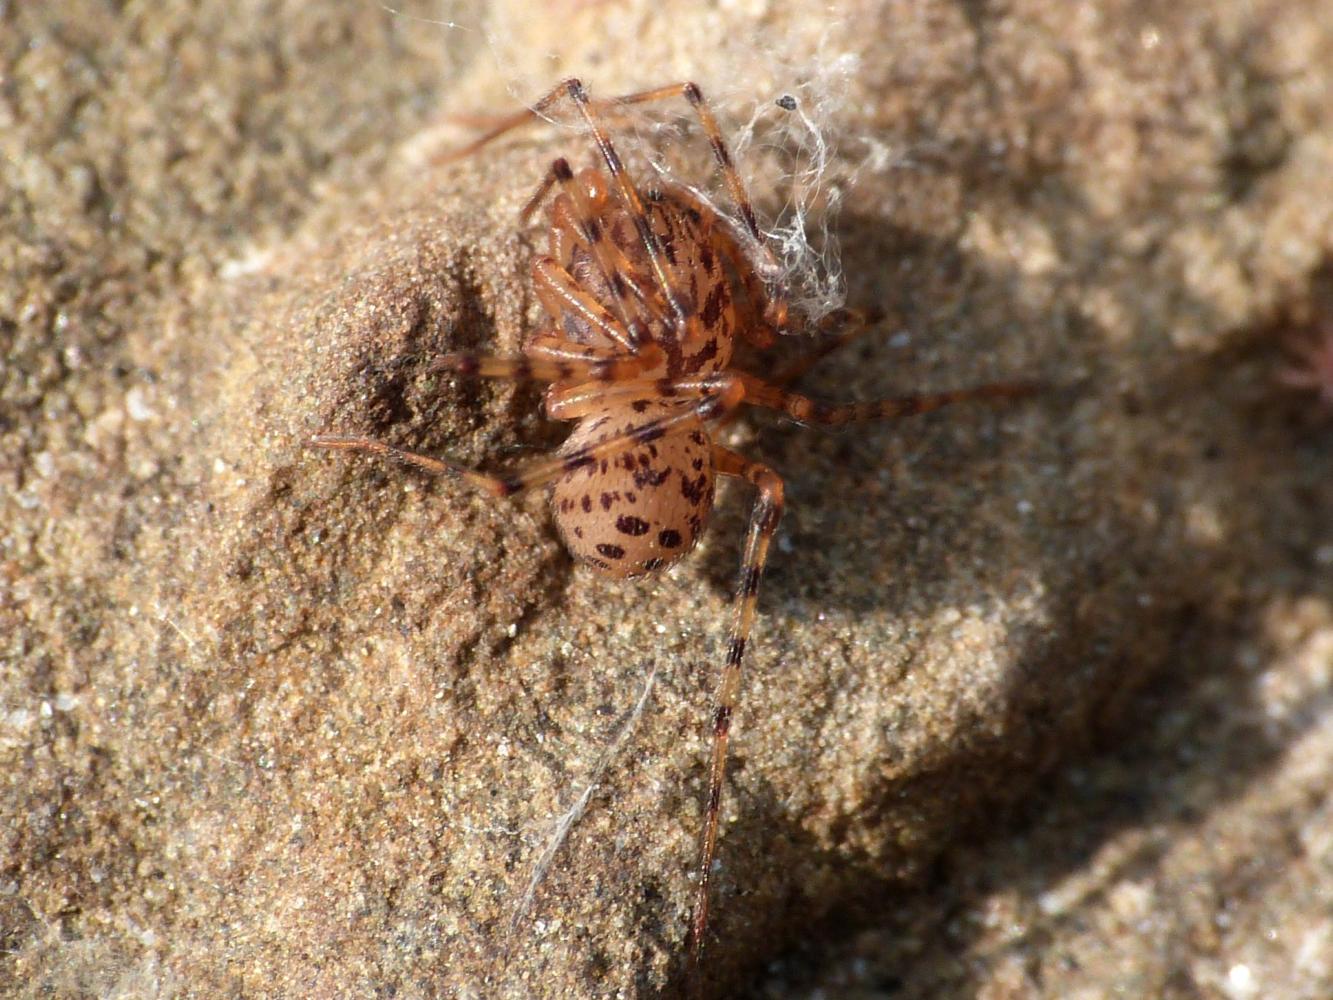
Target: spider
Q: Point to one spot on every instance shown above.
(646, 293)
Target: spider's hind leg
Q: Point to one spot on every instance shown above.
(763, 524)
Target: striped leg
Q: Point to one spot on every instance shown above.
(689, 91)
(763, 523)
(570, 402)
(507, 123)
(566, 238)
(721, 400)
(560, 294)
(591, 112)
(852, 322)
(584, 218)
(857, 324)
(666, 279)
(809, 411)
(545, 368)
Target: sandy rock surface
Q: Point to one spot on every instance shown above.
(1038, 702)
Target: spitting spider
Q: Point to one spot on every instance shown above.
(646, 292)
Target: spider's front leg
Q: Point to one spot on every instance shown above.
(763, 523)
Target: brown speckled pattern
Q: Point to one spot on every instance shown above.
(642, 509)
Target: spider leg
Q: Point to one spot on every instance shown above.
(505, 123)
(805, 410)
(857, 323)
(565, 239)
(763, 523)
(498, 125)
(436, 466)
(718, 400)
(547, 345)
(570, 402)
(730, 175)
(854, 323)
(584, 221)
(560, 294)
(666, 279)
(544, 369)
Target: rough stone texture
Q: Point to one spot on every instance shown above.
(289, 723)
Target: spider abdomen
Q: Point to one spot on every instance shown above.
(641, 509)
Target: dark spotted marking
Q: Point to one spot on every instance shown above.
(713, 305)
(628, 524)
(653, 564)
(698, 438)
(647, 477)
(587, 504)
(578, 532)
(668, 243)
(786, 102)
(693, 489)
(594, 230)
(706, 258)
(639, 405)
(706, 353)
(697, 464)
(668, 538)
(607, 501)
(611, 551)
